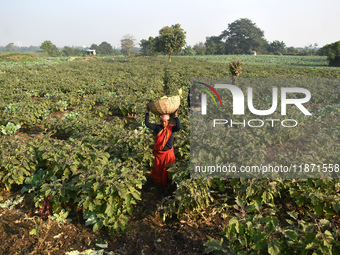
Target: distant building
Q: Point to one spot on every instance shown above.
(90, 52)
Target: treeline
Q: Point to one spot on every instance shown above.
(241, 37)
(52, 50)
(244, 37)
(102, 49)
(12, 48)
(272, 48)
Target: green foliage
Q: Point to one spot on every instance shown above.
(103, 49)
(12, 202)
(199, 48)
(12, 107)
(95, 155)
(215, 45)
(59, 106)
(18, 58)
(33, 93)
(34, 231)
(10, 47)
(61, 217)
(51, 96)
(192, 195)
(333, 55)
(71, 115)
(270, 63)
(86, 252)
(47, 46)
(17, 160)
(253, 231)
(26, 112)
(68, 51)
(276, 47)
(106, 48)
(149, 46)
(318, 196)
(104, 188)
(170, 40)
(243, 36)
(188, 51)
(10, 129)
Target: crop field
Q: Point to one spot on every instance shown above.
(298, 61)
(75, 163)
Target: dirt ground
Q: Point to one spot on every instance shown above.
(145, 234)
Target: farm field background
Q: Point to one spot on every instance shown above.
(279, 60)
(82, 154)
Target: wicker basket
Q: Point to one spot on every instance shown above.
(165, 106)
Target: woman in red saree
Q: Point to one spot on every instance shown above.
(163, 147)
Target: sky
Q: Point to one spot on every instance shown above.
(297, 23)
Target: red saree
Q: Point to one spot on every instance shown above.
(162, 158)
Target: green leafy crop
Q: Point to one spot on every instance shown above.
(10, 129)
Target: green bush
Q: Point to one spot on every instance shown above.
(334, 54)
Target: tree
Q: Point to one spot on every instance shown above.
(47, 46)
(214, 45)
(10, 47)
(33, 48)
(105, 48)
(243, 36)
(199, 48)
(148, 46)
(292, 50)
(188, 51)
(102, 49)
(333, 55)
(79, 52)
(127, 43)
(68, 51)
(276, 47)
(324, 50)
(96, 48)
(56, 52)
(170, 40)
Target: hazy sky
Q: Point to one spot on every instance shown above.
(298, 23)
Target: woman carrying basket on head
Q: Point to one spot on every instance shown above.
(163, 146)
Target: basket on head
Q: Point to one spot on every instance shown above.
(165, 105)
